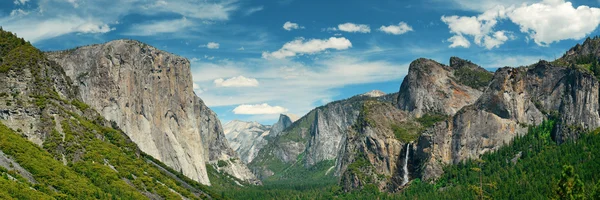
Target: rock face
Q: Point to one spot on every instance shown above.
(375, 151)
(285, 120)
(148, 93)
(431, 87)
(583, 53)
(246, 138)
(317, 137)
(515, 98)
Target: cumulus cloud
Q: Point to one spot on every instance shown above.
(545, 22)
(292, 84)
(399, 29)
(258, 109)
(354, 28)
(212, 45)
(238, 81)
(302, 46)
(554, 20)
(288, 26)
(459, 41)
(479, 27)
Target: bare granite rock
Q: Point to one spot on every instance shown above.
(148, 93)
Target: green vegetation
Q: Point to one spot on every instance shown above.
(83, 159)
(475, 78)
(297, 131)
(428, 120)
(504, 175)
(222, 163)
(569, 186)
(79, 105)
(538, 173)
(406, 132)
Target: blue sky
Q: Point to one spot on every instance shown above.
(252, 60)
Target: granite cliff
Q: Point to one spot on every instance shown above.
(63, 147)
(148, 93)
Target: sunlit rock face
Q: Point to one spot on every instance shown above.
(149, 94)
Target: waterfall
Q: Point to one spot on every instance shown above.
(405, 179)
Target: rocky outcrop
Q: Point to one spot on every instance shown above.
(148, 93)
(515, 98)
(285, 120)
(431, 87)
(375, 149)
(585, 53)
(317, 137)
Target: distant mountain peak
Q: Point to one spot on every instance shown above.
(292, 117)
(374, 93)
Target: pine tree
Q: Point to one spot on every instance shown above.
(569, 186)
(596, 193)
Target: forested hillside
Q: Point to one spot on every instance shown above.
(77, 154)
(531, 167)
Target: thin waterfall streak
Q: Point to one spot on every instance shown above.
(405, 178)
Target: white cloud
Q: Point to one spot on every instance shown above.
(554, 20)
(353, 28)
(459, 41)
(258, 109)
(292, 84)
(238, 81)
(212, 45)
(399, 29)
(253, 10)
(18, 12)
(52, 18)
(301, 46)
(194, 9)
(291, 26)
(158, 27)
(545, 22)
(209, 57)
(20, 2)
(52, 27)
(479, 27)
(484, 5)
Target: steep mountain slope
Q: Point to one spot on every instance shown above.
(314, 138)
(312, 148)
(431, 87)
(372, 153)
(285, 120)
(583, 54)
(515, 98)
(248, 138)
(76, 153)
(149, 94)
